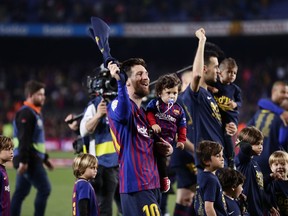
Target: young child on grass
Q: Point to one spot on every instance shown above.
(232, 184)
(84, 201)
(277, 184)
(6, 154)
(209, 198)
(250, 141)
(167, 118)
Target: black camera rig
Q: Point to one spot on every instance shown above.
(102, 84)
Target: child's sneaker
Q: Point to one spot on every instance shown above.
(165, 184)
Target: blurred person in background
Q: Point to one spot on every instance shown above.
(30, 152)
(271, 125)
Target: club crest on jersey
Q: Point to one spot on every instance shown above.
(142, 130)
(114, 104)
(40, 123)
(7, 188)
(176, 111)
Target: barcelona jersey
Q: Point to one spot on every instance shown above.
(130, 134)
(206, 117)
(84, 190)
(4, 192)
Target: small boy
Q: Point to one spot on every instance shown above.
(167, 118)
(232, 181)
(250, 140)
(209, 198)
(277, 187)
(84, 199)
(6, 154)
(228, 97)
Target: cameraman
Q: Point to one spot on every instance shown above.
(95, 123)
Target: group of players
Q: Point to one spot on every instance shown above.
(205, 114)
(195, 127)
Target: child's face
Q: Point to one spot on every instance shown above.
(257, 148)
(6, 155)
(228, 75)
(90, 173)
(217, 161)
(169, 94)
(237, 191)
(280, 167)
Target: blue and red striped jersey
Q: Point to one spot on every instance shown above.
(135, 148)
(171, 119)
(4, 192)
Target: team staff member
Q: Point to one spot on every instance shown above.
(138, 177)
(29, 151)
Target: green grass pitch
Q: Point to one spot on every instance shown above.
(60, 200)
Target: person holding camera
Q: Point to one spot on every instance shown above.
(95, 123)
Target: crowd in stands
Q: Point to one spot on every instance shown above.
(115, 11)
(66, 92)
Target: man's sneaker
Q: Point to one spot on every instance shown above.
(165, 184)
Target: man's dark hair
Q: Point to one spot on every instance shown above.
(33, 86)
(213, 50)
(128, 64)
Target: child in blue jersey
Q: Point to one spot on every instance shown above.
(84, 201)
(228, 97)
(167, 118)
(232, 181)
(6, 154)
(250, 140)
(277, 184)
(209, 198)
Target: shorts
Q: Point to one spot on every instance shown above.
(141, 203)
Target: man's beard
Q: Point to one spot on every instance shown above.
(38, 103)
(140, 92)
(210, 82)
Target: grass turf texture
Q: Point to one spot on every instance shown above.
(62, 181)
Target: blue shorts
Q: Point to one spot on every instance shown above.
(186, 176)
(141, 203)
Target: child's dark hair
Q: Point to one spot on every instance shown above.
(251, 135)
(228, 62)
(6, 143)
(230, 178)
(82, 162)
(206, 149)
(167, 81)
